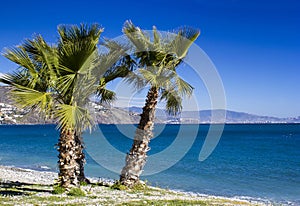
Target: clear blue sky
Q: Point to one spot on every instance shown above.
(255, 44)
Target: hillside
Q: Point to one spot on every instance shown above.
(204, 116)
(105, 114)
(3, 94)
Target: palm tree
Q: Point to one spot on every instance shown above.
(58, 81)
(157, 60)
(96, 71)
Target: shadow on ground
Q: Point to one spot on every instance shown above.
(18, 188)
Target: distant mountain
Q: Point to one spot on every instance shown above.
(205, 116)
(10, 114)
(4, 94)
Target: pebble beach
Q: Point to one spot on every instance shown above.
(14, 178)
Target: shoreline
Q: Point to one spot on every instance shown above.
(21, 176)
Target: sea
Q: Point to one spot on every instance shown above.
(249, 161)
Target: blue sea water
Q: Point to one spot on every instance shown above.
(261, 161)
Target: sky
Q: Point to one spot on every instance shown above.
(254, 44)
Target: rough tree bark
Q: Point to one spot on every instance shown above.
(67, 158)
(136, 158)
(80, 159)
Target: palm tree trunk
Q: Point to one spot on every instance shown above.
(80, 159)
(136, 158)
(67, 158)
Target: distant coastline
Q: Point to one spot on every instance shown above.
(105, 114)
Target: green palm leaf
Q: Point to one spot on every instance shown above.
(18, 78)
(136, 36)
(173, 101)
(105, 95)
(40, 51)
(157, 60)
(156, 36)
(19, 56)
(184, 88)
(184, 38)
(30, 98)
(136, 79)
(149, 76)
(66, 83)
(73, 116)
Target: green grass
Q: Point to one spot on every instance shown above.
(140, 187)
(76, 192)
(31, 194)
(83, 183)
(53, 198)
(58, 190)
(118, 186)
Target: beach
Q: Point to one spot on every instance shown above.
(29, 187)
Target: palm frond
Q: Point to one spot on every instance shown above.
(184, 88)
(105, 95)
(37, 59)
(78, 61)
(66, 83)
(173, 101)
(188, 33)
(29, 98)
(75, 55)
(113, 65)
(15, 78)
(40, 51)
(19, 56)
(85, 87)
(183, 40)
(89, 64)
(149, 76)
(136, 80)
(156, 37)
(137, 37)
(73, 116)
(74, 33)
(77, 47)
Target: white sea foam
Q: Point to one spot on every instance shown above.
(45, 167)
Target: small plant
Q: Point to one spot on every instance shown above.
(139, 187)
(58, 190)
(83, 183)
(118, 186)
(77, 192)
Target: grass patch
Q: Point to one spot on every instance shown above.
(58, 190)
(118, 186)
(52, 199)
(76, 192)
(83, 183)
(141, 194)
(139, 187)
